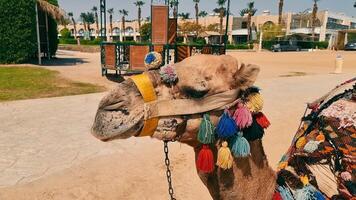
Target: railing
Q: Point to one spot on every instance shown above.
(117, 56)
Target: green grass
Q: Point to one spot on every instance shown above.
(31, 82)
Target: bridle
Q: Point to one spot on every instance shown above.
(154, 108)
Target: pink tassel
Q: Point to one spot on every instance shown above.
(242, 116)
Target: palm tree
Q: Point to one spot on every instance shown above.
(184, 16)
(313, 21)
(95, 10)
(111, 12)
(280, 11)
(203, 14)
(196, 11)
(70, 14)
(139, 4)
(90, 19)
(83, 17)
(123, 14)
(221, 10)
(249, 11)
(174, 5)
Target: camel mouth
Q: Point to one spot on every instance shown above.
(115, 129)
(120, 114)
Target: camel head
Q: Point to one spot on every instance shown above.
(121, 112)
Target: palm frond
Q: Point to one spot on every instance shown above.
(54, 11)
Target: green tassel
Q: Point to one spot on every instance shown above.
(206, 130)
(240, 146)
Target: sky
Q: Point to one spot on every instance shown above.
(78, 6)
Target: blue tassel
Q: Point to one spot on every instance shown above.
(240, 146)
(285, 193)
(311, 146)
(206, 130)
(226, 126)
(308, 192)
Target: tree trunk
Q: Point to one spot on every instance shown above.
(196, 13)
(139, 20)
(315, 11)
(221, 24)
(75, 28)
(97, 25)
(248, 27)
(197, 16)
(111, 33)
(175, 14)
(280, 11)
(123, 28)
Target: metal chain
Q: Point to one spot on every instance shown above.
(168, 171)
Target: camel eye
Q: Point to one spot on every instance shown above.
(193, 93)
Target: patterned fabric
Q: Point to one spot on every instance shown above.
(324, 149)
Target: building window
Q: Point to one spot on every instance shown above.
(353, 25)
(244, 25)
(336, 24)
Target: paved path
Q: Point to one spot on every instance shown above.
(39, 137)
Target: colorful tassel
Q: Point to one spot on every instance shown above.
(308, 193)
(242, 116)
(240, 146)
(255, 102)
(254, 132)
(282, 165)
(205, 161)
(226, 126)
(301, 142)
(262, 120)
(285, 193)
(304, 180)
(277, 196)
(320, 137)
(225, 158)
(311, 146)
(346, 176)
(206, 130)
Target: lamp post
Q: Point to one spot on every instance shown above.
(38, 35)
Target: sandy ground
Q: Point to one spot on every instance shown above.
(46, 151)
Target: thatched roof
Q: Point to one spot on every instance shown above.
(54, 11)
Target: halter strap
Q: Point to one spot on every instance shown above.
(144, 85)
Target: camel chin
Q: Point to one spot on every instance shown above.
(120, 113)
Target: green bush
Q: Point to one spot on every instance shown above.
(65, 33)
(18, 34)
(53, 31)
(17, 31)
(237, 46)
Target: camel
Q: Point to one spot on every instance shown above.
(203, 81)
(121, 115)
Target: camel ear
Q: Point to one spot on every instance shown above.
(247, 75)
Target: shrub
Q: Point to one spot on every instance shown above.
(18, 34)
(17, 31)
(65, 33)
(237, 46)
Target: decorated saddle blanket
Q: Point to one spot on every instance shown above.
(321, 162)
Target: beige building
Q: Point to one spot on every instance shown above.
(327, 26)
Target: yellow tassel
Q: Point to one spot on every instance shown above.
(225, 158)
(304, 180)
(320, 137)
(282, 165)
(255, 102)
(301, 143)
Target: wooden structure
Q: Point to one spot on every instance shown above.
(123, 57)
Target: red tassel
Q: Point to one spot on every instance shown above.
(277, 196)
(262, 120)
(205, 161)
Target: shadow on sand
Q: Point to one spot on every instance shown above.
(58, 62)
